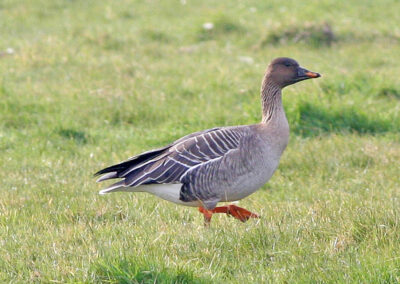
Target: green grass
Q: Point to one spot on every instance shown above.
(90, 83)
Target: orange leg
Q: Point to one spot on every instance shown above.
(233, 210)
(207, 215)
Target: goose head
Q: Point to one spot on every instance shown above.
(285, 71)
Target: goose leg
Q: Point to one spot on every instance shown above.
(236, 212)
(207, 215)
(233, 210)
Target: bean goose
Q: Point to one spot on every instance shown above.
(220, 164)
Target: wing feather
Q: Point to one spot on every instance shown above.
(171, 163)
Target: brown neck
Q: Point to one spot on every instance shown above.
(271, 100)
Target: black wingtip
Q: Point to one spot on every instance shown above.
(100, 172)
(131, 162)
(106, 170)
(110, 169)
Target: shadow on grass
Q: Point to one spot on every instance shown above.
(389, 92)
(314, 121)
(319, 34)
(155, 35)
(80, 137)
(108, 41)
(136, 272)
(315, 34)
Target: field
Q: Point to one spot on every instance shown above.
(84, 84)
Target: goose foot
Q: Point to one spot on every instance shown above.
(232, 210)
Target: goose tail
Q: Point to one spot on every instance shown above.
(118, 186)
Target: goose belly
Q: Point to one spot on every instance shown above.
(251, 181)
(169, 192)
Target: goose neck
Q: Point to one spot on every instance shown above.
(271, 99)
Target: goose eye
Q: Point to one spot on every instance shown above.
(287, 64)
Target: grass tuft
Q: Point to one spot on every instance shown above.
(314, 34)
(78, 136)
(133, 271)
(155, 35)
(389, 92)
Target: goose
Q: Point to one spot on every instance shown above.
(221, 164)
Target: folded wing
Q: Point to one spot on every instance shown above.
(169, 164)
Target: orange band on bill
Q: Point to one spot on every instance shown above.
(312, 74)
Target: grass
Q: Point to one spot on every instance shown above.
(88, 83)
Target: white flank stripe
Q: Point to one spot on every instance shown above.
(163, 172)
(221, 139)
(216, 144)
(178, 162)
(198, 148)
(205, 163)
(235, 135)
(177, 169)
(187, 158)
(229, 138)
(143, 164)
(209, 147)
(144, 174)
